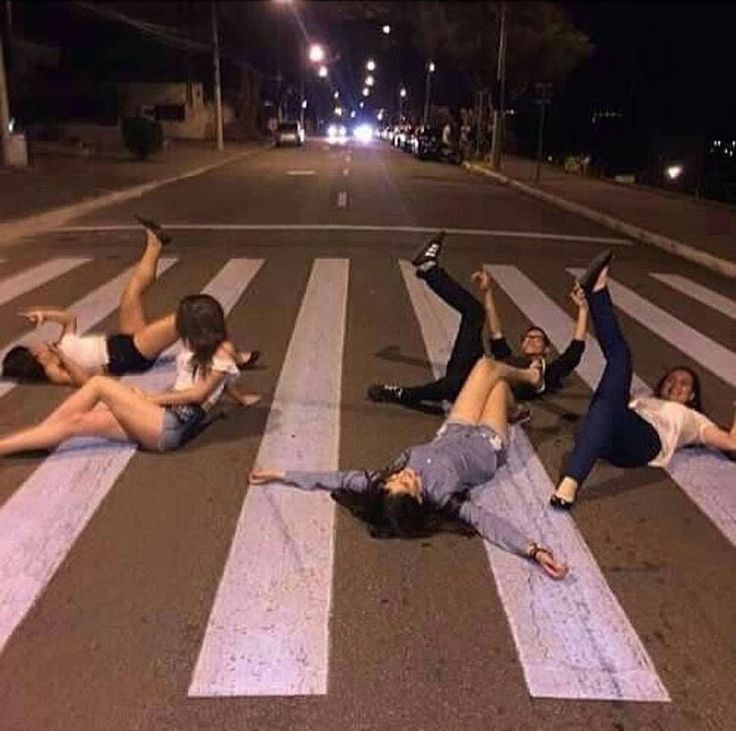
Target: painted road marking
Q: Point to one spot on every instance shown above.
(349, 227)
(345, 172)
(701, 473)
(573, 638)
(710, 354)
(268, 633)
(300, 172)
(17, 284)
(342, 199)
(91, 309)
(348, 158)
(702, 294)
(43, 518)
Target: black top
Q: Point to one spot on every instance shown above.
(554, 373)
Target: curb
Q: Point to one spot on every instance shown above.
(672, 246)
(12, 231)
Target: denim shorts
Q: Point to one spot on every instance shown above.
(180, 424)
(485, 432)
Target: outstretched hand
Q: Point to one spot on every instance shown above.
(35, 317)
(263, 477)
(552, 567)
(482, 280)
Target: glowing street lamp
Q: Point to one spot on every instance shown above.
(304, 103)
(361, 105)
(366, 91)
(427, 91)
(316, 53)
(369, 80)
(336, 95)
(386, 29)
(352, 113)
(338, 111)
(371, 65)
(430, 67)
(322, 73)
(402, 92)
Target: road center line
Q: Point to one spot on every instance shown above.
(593, 653)
(300, 172)
(369, 228)
(268, 632)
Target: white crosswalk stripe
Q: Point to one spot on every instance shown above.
(698, 292)
(43, 518)
(268, 632)
(29, 279)
(701, 473)
(574, 639)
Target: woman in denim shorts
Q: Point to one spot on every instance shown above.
(205, 368)
(429, 484)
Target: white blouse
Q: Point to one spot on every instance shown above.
(185, 375)
(677, 425)
(90, 351)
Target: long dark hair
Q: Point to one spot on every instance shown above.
(390, 515)
(19, 363)
(696, 402)
(200, 323)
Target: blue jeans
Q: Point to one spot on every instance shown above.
(611, 430)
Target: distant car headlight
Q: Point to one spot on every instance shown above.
(332, 130)
(363, 133)
(342, 131)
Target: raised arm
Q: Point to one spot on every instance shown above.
(503, 534)
(581, 323)
(484, 283)
(38, 315)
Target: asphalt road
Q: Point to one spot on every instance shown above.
(418, 637)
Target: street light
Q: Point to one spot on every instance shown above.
(366, 91)
(361, 105)
(336, 95)
(386, 29)
(371, 65)
(402, 97)
(427, 90)
(322, 73)
(338, 111)
(316, 53)
(304, 103)
(369, 80)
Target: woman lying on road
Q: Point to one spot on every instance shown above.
(632, 433)
(468, 345)
(134, 349)
(431, 483)
(160, 422)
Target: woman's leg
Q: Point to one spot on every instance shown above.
(496, 409)
(156, 337)
(132, 315)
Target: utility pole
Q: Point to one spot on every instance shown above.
(544, 97)
(216, 69)
(4, 108)
(427, 91)
(498, 107)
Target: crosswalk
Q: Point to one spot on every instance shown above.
(268, 631)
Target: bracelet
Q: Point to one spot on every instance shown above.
(535, 549)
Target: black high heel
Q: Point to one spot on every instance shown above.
(590, 276)
(155, 228)
(559, 503)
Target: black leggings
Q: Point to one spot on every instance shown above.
(611, 430)
(468, 346)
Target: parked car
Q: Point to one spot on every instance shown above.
(289, 133)
(426, 143)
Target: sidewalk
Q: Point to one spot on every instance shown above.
(701, 231)
(61, 184)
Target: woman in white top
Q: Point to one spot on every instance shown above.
(103, 407)
(638, 432)
(74, 358)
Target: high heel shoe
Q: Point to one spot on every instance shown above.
(155, 228)
(559, 503)
(597, 265)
